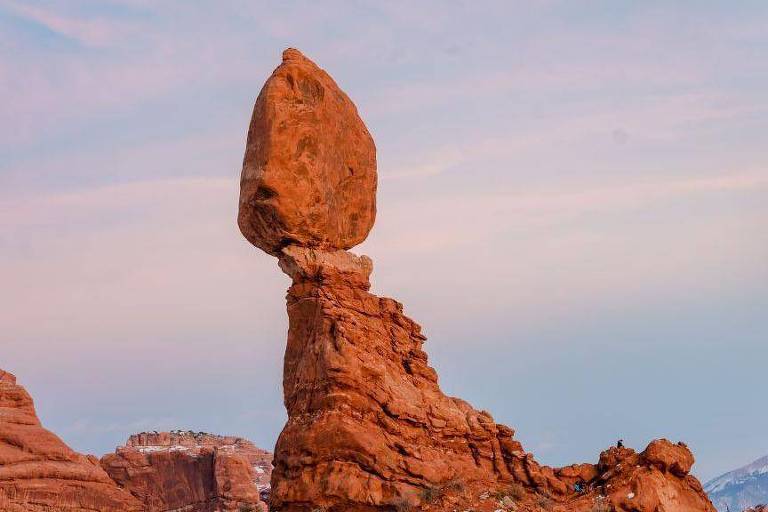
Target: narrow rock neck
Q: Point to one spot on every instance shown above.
(319, 267)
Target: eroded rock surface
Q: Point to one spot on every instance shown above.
(368, 427)
(191, 471)
(39, 473)
(309, 172)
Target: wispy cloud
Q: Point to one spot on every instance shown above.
(88, 31)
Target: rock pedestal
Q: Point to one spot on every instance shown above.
(367, 424)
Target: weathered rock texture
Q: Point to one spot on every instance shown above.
(368, 426)
(309, 173)
(193, 472)
(39, 473)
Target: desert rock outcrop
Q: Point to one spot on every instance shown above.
(368, 427)
(193, 472)
(39, 473)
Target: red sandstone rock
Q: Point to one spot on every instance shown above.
(675, 458)
(368, 426)
(309, 173)
(39, 473)
(194, 472)
(370, 429)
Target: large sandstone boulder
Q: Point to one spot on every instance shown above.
(369, 428)
(193, 472)
(39, 473)
(309, 172)
(675, 458)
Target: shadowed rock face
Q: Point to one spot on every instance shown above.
(309, 172)
(39, 473)
(193, 472)
(368, 426)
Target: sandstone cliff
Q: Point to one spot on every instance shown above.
(369, 428)
(191, 471)
(39, 473)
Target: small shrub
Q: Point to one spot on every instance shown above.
(515, 491)
(453, 486)
(544, 502)
(406, 501)
(602, 506)
(403, 506)
(431, 494)
(434, 493)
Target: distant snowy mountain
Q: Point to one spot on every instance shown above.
(740, 489)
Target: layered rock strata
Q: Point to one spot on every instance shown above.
(193, 472)
(39, 473)
(368, 426)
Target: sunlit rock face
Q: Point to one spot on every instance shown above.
(39, 473)
(309, 172)
(192, 471)
(368, 427)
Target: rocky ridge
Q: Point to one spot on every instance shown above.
(39, 473)
(192, 471)
(740, 488)
(368, 427)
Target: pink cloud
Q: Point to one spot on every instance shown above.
(95, 32)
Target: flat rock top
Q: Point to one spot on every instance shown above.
(309, 172)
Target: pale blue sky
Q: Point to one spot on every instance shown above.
(573, 203)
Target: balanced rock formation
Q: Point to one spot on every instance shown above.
(368, 427)
(39, 473)
(191, 471)
(309, 173)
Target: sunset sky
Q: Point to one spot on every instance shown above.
(573, 203)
